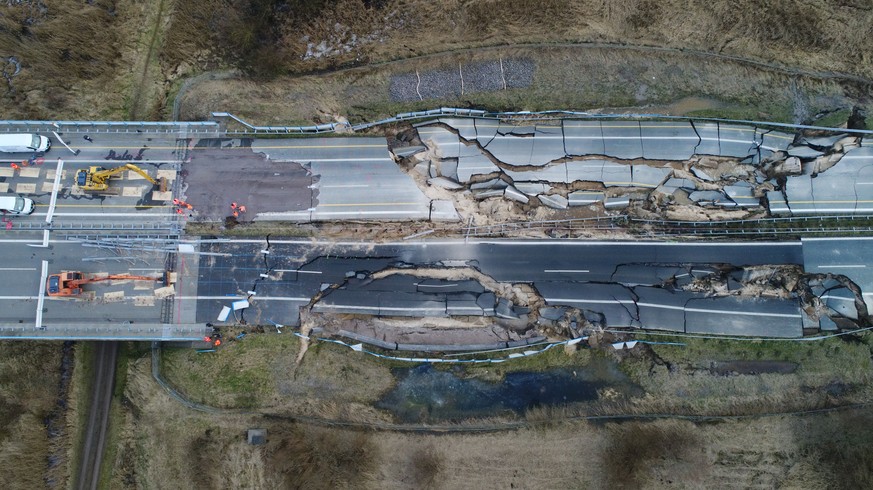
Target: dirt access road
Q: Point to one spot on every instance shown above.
(88, 474)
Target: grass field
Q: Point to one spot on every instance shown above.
(123, 59)
(166, 446)
(29, 380)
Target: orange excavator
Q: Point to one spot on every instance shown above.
(69, 283)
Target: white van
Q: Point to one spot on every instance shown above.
(16, 205)
(24, 143)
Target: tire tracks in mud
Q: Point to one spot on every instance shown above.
(94, 440)
(134, 112)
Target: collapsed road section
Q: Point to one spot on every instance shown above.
(682, 170)
(523, 290)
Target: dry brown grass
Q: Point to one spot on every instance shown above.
(29, 379)
(315, 458)
(166, 446)
(663, 452)
(117, 59)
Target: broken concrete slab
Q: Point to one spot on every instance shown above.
(408, 151)
(552, 313)
(804, 152)
(842, 301)
(443, 210)
(463, 308)
(706, 197)
(532, 188)
(448, 169)
(583, 138)
(742, 195)
(445, 286)
(824, 141)
(700, 174)
(504, 309)
(485, 194)
(827, 325)
(444, 142)
(554, 201)
(617, 202)
(444, 183)
(647, 176)
(732, 315)
(776, 203)
(674, 140)
(681, 184)
(475, 165)
(487, 301)
(513, 194)
(584, 198)
(489, 184)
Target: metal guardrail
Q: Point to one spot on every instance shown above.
(846, 224)
(598, 223)
(218, 124)
(133, 127)
(457, 112)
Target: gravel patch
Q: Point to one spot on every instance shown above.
(477, 77)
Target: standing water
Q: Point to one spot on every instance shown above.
(424, 393)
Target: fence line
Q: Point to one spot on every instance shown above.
(457, 112)
(219, 122)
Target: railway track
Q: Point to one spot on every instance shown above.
(88, 474)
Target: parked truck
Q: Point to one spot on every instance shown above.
(24, 143)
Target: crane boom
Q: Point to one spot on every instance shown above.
(96, 178)
(70, 283)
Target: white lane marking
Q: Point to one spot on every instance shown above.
(666, 307)
(559, 271)
(386, 308)
(297, 271)
(436, 285)
(746, 313)
(74, 152)
(236, 298)
(17, 268)
(842, 266)
(45, 240)
(110, 215)
(30, 241)
(342, 186)
(515, 243)
(59, 171)
(332, 160)
(41, 300)
(318, 212)
(838, 298)
(841, 239)
(592, 301)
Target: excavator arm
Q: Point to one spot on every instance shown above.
(70, 283)
(140, 171)
(97, 178)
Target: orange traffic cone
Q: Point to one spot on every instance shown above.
(235, 214)
(242, 209)
(233, 205)
(15, 166)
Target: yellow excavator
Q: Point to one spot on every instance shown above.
(96, 179)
